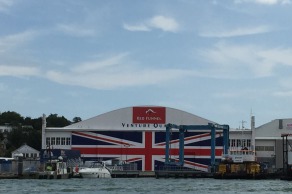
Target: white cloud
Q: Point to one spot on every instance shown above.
(18, 71)
(5, 4)
(111, 80)
(237, 32)
(112, 73)
(75, 30)
(101, 64)
(264, 2)
(243, 61)
(14, 40)
(283, 93)
(166, 24)
(286, 83)
(281, 56)
(138, 27)
(10, 47)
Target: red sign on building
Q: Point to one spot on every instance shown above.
(155, 115)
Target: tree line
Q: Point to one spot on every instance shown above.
(27, 130)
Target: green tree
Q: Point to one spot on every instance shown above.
(34, 139)
(11, 118)
(27, 121)
(37, 123)
(53, 120)
(27, 130)
(76, 119)
(16, 137)
(1, 136)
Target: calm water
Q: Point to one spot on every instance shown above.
(144, 185)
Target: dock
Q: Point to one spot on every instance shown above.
(163, 172)
(169, 171)
(182, 174)
(8, 176)
(132, 174)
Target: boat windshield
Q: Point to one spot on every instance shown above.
(96, 165)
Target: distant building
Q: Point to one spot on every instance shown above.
(269, 147)
(268, 141)
(5, 128)
(27, 151)
(135, 136)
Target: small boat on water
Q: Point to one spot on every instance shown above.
(54, 169)
(96, 170)
(239, 164)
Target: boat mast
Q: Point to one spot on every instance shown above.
(252, 126)
(242, 137)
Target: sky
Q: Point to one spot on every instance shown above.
(223, 60)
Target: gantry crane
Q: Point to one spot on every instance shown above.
(183, 128)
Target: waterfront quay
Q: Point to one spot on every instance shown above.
(154, 174)
(180, 172)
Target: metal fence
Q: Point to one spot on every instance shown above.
(123, 167)
(8, 167)
(174, 168)
(19, 167)
(29, 166)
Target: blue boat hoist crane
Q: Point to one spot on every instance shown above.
(184, 128)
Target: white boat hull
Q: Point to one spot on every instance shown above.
(95, 173)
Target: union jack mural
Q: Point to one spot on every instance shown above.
(147, 148)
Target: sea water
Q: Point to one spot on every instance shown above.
(143, 185)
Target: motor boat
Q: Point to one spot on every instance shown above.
(55, 169)
(96, 170)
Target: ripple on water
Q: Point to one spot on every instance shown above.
(145, 185)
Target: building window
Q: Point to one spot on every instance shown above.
(238, 144)
(53, 141)
(265, 148)
(232, 142)
(58, 141)
(244, 143)
(260, 148)
(68, 141)
(63, 141)
(269, 148)
(248, 143)
(47, 141)
(280, 124)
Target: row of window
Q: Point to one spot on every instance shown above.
(239, 143)
(265, 148)
(30, 155)
(247, 143)
(58, 141)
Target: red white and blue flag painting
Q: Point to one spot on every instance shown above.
(147, 148)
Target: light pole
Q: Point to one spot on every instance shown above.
(126, 146)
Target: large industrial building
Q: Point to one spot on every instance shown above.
(137, 135)
(269, 141)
